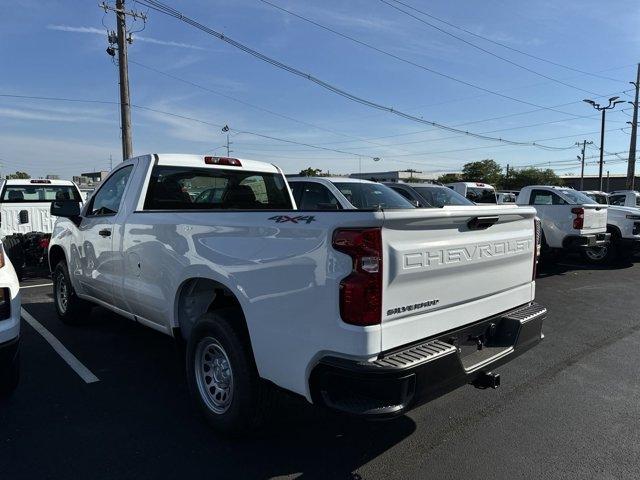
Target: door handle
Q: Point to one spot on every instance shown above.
(105, 233)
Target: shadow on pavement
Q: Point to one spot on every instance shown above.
(562, 264)
(138, 421)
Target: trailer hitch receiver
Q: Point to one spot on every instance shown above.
(487, 380)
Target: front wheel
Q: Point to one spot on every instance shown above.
(221, 373)
(70, 308)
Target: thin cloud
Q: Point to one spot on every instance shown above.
(97, 31)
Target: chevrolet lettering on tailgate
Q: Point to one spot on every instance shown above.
(467, 253)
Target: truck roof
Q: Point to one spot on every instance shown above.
(329, 179)
(199, 161)
(37, 181)
(472, 184)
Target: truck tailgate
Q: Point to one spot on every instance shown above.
(595, 218)
(24, 218)
(441, 271)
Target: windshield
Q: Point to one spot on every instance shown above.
(39, 193)
(440, 196)
(576, 197)
(367, 196)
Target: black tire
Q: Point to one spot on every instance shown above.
(243, 407)
(75, 310)
(600, 255)
(15, 251)
(10, 377)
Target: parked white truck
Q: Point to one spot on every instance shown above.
(625, 198)
(25, 219)
(368, 312)
(623, 223)
(570, 219)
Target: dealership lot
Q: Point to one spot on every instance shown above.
(566, 409)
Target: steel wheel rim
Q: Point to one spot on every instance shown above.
(214, 376)
(597, 253)
(62, 293)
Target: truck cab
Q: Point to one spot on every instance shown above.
(624, 198)
(477, 192)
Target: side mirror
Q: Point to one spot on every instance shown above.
(65, 208)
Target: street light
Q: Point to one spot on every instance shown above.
(613, 101)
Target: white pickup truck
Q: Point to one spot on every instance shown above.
(623, 223)
(368, 312)
(570, 219)
(25, 219)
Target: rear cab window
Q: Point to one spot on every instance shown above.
(481, 195)
(37, 192)
(371, 196)
(188, 188)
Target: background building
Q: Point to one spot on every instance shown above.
(615, 181)
(90, 179)
(396, 176)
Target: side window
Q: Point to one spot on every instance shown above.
(402, 192)
(317, 197)
(617, 200)
(106, 200)
(296, 189)
(544, 197)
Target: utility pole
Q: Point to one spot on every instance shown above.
(122, 38)
(506, 178)
(110, 162)
(581, 158)
(631, 169)
(608, 189)
(613, 101)
(226, 130)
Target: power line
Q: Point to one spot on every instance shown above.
(251, 105)
(185, 117)
(160, 7)
(407, 61)
(484, 50)
(487, 39)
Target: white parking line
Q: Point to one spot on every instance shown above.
(60, 349)
(36, 286)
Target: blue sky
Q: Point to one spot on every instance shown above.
(57, 49)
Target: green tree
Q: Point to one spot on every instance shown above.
(311, 172)
(486, 171)
(449, 178)
(18, 175)
(532, 176)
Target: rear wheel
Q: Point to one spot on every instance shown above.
(15, 251)
(600, 255)
(70, 308)
(221, 373)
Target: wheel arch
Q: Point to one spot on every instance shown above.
(56, 254)
(198, 295)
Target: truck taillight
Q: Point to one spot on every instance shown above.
(578, 222)
(361, 291)
(227, 161)
(538, 246)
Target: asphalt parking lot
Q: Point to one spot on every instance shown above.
(567, 409)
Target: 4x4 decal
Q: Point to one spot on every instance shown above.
(297, 219)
